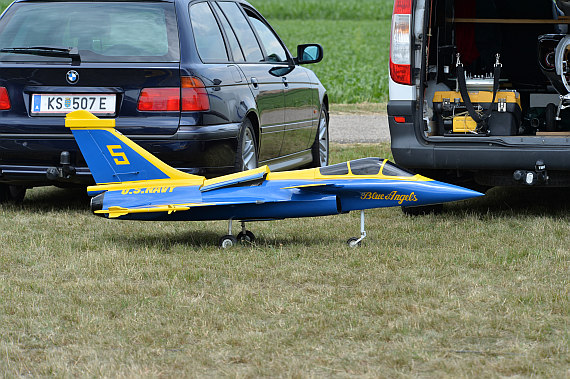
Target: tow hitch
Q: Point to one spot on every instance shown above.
(530, 178)
(66, 171)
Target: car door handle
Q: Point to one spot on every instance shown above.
(285, 82)
(255, 83)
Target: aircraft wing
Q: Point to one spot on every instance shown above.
(117, 211)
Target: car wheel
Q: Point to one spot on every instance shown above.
(12, 194)
(320, 148)
(246, 155)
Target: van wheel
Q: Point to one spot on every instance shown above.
(423, 210)
(246, 155)
(12, 194)
(320, 148)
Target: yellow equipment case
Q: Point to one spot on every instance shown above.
(453, 118)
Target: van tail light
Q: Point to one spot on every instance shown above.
(190, 97)
(400, 43)
(4, 99)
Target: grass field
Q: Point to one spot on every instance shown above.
(479, 291)
(355, 35)
(329, 9)
(355, 68)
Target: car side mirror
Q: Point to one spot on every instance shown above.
(309, 53)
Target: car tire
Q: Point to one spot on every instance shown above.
(12, 194)
(246, 154)
(320, 148)
(550, 115)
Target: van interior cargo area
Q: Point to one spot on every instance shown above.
(497, 68)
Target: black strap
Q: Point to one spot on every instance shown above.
(481, 120)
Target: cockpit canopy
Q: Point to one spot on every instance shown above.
(366, 166)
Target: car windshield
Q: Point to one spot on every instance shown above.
(101, 32)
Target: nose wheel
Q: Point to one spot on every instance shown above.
(355, 241)
(243, 237)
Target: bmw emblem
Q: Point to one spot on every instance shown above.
(72, 77)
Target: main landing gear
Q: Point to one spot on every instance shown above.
(355, 241)
(245, 236)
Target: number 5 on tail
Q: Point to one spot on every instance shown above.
(120, 156)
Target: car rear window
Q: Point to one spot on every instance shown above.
(101, 31)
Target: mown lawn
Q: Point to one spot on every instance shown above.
(480, 290)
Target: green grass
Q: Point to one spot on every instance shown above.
(355, 67)
(355, 35)
(325, 9)
(479, 291)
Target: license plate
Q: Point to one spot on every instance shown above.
(61, 104)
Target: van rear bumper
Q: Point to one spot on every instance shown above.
(412, 150)
(206, 150)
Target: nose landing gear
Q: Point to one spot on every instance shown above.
(355, 241)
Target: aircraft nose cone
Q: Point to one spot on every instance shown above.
(438, 192)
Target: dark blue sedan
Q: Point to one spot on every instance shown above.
(207, 86)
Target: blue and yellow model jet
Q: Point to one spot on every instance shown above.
(132, 184)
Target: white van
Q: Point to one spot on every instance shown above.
(478, 91)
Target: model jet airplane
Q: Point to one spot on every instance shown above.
(132, 184)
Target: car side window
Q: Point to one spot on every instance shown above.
(207, 34)
(245, 35)
(273, 48)
(231, 36)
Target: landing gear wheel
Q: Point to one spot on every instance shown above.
(246, 154)
(247, 237)
(227, 241)
(12, 194)
(320, 148)
(353, 242)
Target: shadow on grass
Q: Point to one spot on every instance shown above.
(46, 199)
(210, 238)
(516, 201)
(162, 240)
